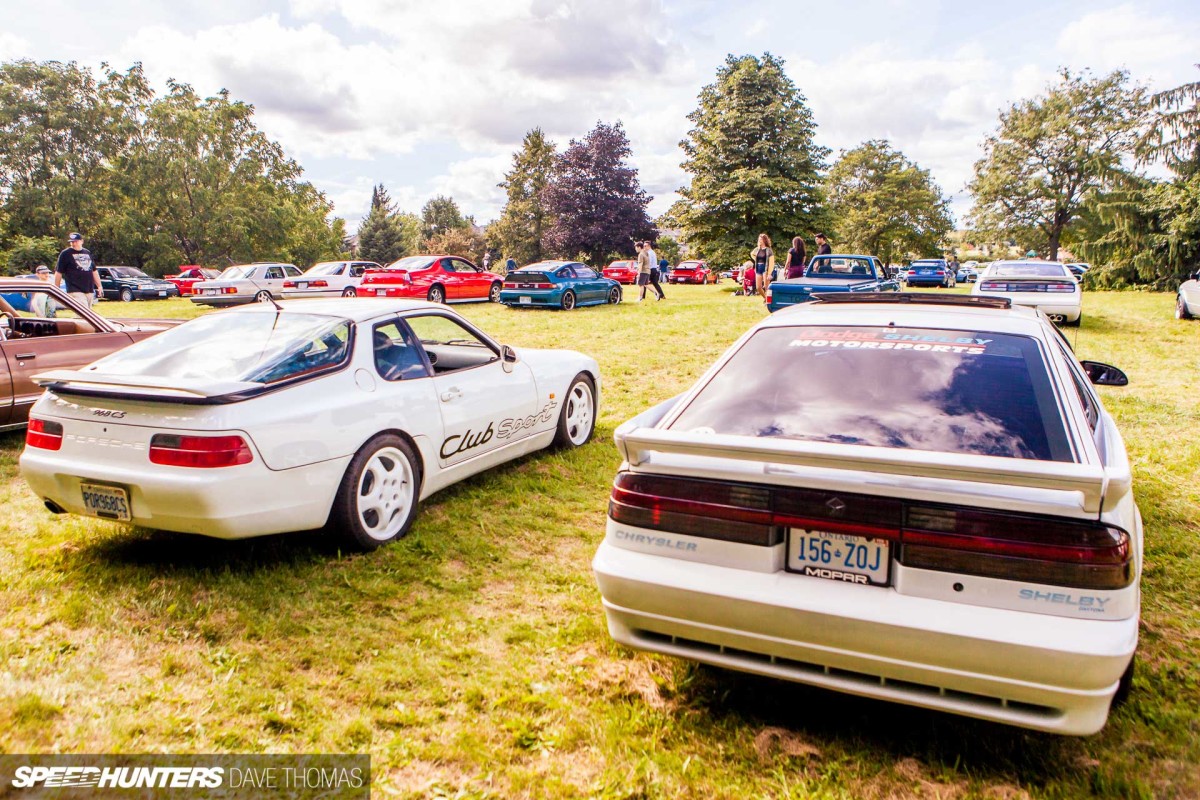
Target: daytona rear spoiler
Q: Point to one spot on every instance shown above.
(1084, 484)
(192, 391)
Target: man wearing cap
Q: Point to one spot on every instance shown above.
(823, 248)
(42, 303)
(76, 268)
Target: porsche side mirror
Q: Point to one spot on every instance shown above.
(508, 356)
(1104, 374)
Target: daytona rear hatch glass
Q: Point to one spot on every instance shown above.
(920, 389)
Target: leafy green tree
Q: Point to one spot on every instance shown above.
(61, 133)
(465, 242)
(381, 235)
(595, 198)
(668, 247)
(753, 162)
(27, 252)
(1173, 134)
(439, 215)
(519, 230)
(885, 205)
(1146, 231)
(1050, 152)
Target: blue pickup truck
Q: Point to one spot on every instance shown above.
(832, 273)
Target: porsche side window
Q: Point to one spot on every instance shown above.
(449, 345)
(397, 353)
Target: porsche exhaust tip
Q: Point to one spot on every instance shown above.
(54, 507)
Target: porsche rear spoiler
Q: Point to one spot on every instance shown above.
(191, 391)
(1086, 485)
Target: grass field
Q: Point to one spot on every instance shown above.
(471, 659)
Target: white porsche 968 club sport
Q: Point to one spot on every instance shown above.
(268, 418)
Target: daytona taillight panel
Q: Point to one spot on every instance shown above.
(970, 541)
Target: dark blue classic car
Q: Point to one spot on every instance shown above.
(130, 283)
(833, 273)
(930, 272)
(558, 284)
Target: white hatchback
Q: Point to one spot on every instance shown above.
(328, 279)
(915, 498)
(260, 421)
(1046, 285)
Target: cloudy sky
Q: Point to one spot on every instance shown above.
(433, 97)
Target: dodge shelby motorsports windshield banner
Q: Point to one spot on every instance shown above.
(186, 776)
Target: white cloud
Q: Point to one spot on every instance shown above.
(13, 47)
(1162, 49)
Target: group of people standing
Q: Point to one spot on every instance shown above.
(762, 260)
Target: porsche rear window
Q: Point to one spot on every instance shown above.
(938, 390)
(254, 347)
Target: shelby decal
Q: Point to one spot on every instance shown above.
(511, 427)
(462, 443)
(834, 574)
(1084, 602)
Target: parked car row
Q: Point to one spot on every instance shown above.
(939, 514)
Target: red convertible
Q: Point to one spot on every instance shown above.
(190, 274)
(436, 278)
(622, 271)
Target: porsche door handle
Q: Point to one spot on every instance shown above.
(453, 393)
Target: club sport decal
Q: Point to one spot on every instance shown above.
(503, 430)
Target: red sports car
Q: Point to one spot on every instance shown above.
(436, 278)
(190, 274)
(622, 271)
(690, 272)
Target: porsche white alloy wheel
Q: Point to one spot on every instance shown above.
(377, 500)
(385, 494)
(578, 418)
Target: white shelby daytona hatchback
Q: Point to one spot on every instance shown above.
(913, 498)
(269, 418)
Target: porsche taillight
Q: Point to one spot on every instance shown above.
(958, 539)
(44, 434)
(204, 452)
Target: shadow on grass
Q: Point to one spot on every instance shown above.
(977, 749)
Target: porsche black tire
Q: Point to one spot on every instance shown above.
(1125, 685)
(1181, 309)
(377, 499)
(577, 420)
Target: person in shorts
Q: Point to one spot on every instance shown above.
(76, 268)
(764, 265)
(41, 303)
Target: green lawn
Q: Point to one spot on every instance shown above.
(472, 660)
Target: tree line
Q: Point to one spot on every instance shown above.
(156, 181)
(151, 180)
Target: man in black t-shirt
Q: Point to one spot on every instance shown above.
(75, 266)
(823, 248)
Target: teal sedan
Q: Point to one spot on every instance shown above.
(558, 284)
